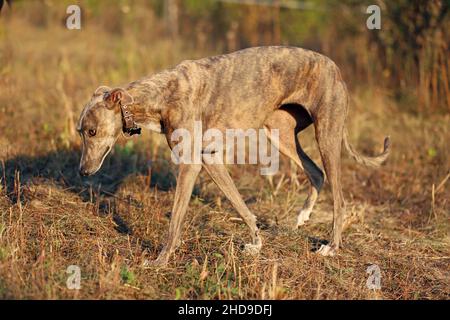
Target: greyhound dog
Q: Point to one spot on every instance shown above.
(275, 87)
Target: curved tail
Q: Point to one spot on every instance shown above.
(375, 161)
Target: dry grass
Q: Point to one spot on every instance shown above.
(50, 218)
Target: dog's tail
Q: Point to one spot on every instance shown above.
(375, 161)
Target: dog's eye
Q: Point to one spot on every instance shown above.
(92, 132)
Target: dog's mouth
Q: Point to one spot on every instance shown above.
(105, 153)
(108, 149)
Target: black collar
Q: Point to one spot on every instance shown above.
(129, 125)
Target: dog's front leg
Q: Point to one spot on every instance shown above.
(185, 184)
(222, 178)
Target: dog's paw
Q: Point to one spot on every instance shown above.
(302, 217)
(252, 249)
(158, 263)
(326, 250)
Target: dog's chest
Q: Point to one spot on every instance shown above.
(153, 126)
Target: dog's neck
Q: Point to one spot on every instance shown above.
(149, 100)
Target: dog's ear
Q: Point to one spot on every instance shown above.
(101, 90)
(116, 96)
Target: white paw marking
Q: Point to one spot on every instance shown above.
(326, 251)
(303, 216)
(252, 249)
(154, 263)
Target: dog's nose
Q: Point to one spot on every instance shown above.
(83, 172)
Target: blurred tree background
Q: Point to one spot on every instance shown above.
(408, 56)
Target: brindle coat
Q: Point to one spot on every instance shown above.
(283, 88)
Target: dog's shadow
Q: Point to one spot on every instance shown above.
(61, 168)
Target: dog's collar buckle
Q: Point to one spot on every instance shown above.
(129, 126)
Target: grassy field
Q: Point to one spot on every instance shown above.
(50, 218)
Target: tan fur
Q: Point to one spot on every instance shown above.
(283, 88)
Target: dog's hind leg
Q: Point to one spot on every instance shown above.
(289, 122)
(316, 177)
(222, 178)
(329, 134)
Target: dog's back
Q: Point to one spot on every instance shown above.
(250, 82)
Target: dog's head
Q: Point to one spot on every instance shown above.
(100, 125)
